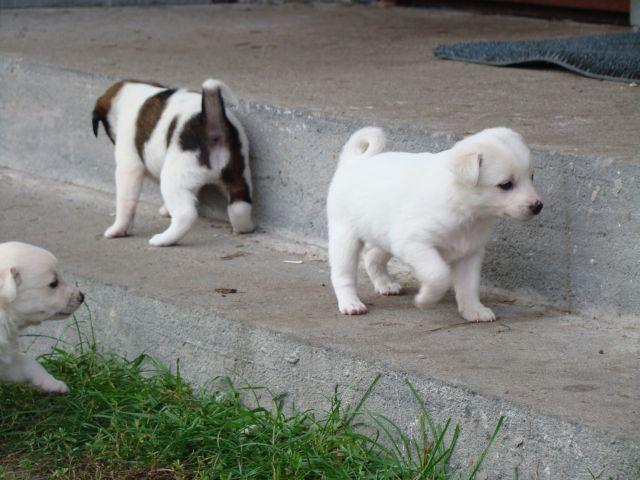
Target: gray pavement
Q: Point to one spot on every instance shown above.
(577, 375)
(308, 76)
(370, 64)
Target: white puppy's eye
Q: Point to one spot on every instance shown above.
(54, 284)
(508, 185)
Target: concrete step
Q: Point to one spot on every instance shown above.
(568, 385)
(309, 79)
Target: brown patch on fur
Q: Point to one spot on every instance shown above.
(172, 127)
(232, 173)
(192, 139)
(103, 106)
(197, 136)
(148, 118)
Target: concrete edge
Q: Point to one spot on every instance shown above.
(539, 445)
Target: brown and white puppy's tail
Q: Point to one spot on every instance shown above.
(213, 111)
(99, 116)
(212, 86)
(101, 110)
(365, 143)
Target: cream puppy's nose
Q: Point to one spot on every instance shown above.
(536, 207)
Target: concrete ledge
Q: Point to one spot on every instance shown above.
(582, 254)
(540, 446)
(568, 407)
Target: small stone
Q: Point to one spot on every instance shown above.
(293, 359)
(518, 441)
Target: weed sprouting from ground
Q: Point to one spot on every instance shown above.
(135, 419)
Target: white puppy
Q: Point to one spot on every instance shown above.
(31, 291)
(183, 139)
(432, 211)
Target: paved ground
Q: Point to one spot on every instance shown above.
(579, 368)
(367, 63)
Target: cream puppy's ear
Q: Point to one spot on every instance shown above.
(466, 167)
(9, 281)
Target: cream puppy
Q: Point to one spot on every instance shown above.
(182, 139)
(31, 291)
(433, 211)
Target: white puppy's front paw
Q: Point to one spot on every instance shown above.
(115, 231)
(352, 307)
(50, 385)
(161, 240)
(388, 289)
(479, 313)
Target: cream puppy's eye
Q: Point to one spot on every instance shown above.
(54, 284)
(508, 185)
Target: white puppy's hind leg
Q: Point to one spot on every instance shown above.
(375, 261)
(344, 251)
(129, 177)
(23, 369)
(466, 282)
(431, 270)
(240, 217)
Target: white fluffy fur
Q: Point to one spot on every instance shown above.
(435, 212)
(31, 291)
(180, 175)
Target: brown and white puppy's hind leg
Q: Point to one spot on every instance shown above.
(130, 172)
(179, 187)
(224, 128)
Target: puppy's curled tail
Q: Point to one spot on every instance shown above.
(211, 87)
(365, 143)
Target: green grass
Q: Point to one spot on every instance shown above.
(127, 419)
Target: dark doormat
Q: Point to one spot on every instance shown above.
(606, 57)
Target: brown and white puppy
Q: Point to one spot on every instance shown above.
(183, 139)
(31, 291)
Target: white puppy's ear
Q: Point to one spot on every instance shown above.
(9, 281)
(466, 167)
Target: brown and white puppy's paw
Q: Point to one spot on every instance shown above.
(433, 211)
(183, 139)
(32, 290)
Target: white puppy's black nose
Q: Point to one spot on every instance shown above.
(536, 207)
